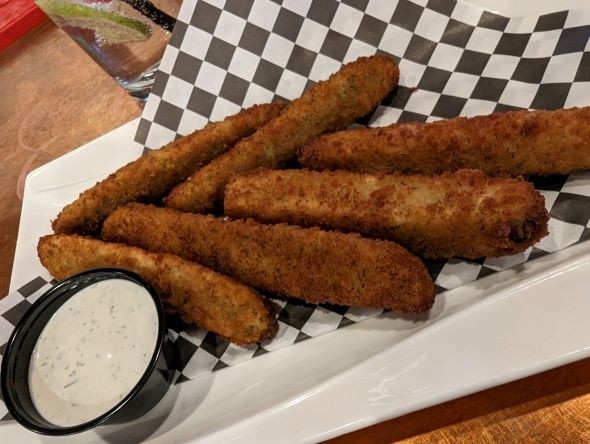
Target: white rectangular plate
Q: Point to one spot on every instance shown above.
(507, 326)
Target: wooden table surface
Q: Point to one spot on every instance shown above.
(55, 99)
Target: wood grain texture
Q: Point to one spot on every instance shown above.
(55, 99)
(551, 407)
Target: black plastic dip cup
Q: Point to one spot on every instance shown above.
(149, 389)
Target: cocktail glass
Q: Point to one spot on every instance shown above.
(126, 38)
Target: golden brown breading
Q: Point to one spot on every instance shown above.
(307, 263)
(201, 296)
(154, 174)
(465, 213)
(515, 143)
(330, 105)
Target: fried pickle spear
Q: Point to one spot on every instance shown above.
(465, 213)
(514, 143)
(330, 105)
(310, 264)
(201, 296)
(154, 174)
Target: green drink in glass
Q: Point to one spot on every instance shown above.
(126, 38)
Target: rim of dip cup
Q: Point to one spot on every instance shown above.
(15, 382)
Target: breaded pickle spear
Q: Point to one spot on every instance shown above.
(307, 263)
(154, 174)
(201, 296)
(465, 213)
(514, 143)
(330, 105)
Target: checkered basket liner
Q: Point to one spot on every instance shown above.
(455, 59)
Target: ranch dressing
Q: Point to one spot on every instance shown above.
(93, 351)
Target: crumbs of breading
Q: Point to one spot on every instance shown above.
(199, 295)
(329, 105)
(515, 143)
(310, 264)
(464, 213)
(154, 174)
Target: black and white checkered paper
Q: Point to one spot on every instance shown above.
(454, 58)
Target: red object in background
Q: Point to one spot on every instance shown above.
(17, 17)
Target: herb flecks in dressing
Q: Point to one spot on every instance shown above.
(93, 351)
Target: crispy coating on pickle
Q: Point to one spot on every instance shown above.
(514, 143)
(330, 105)
(200, 296)
(306, 263)
(151, 176)
(465, 213)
